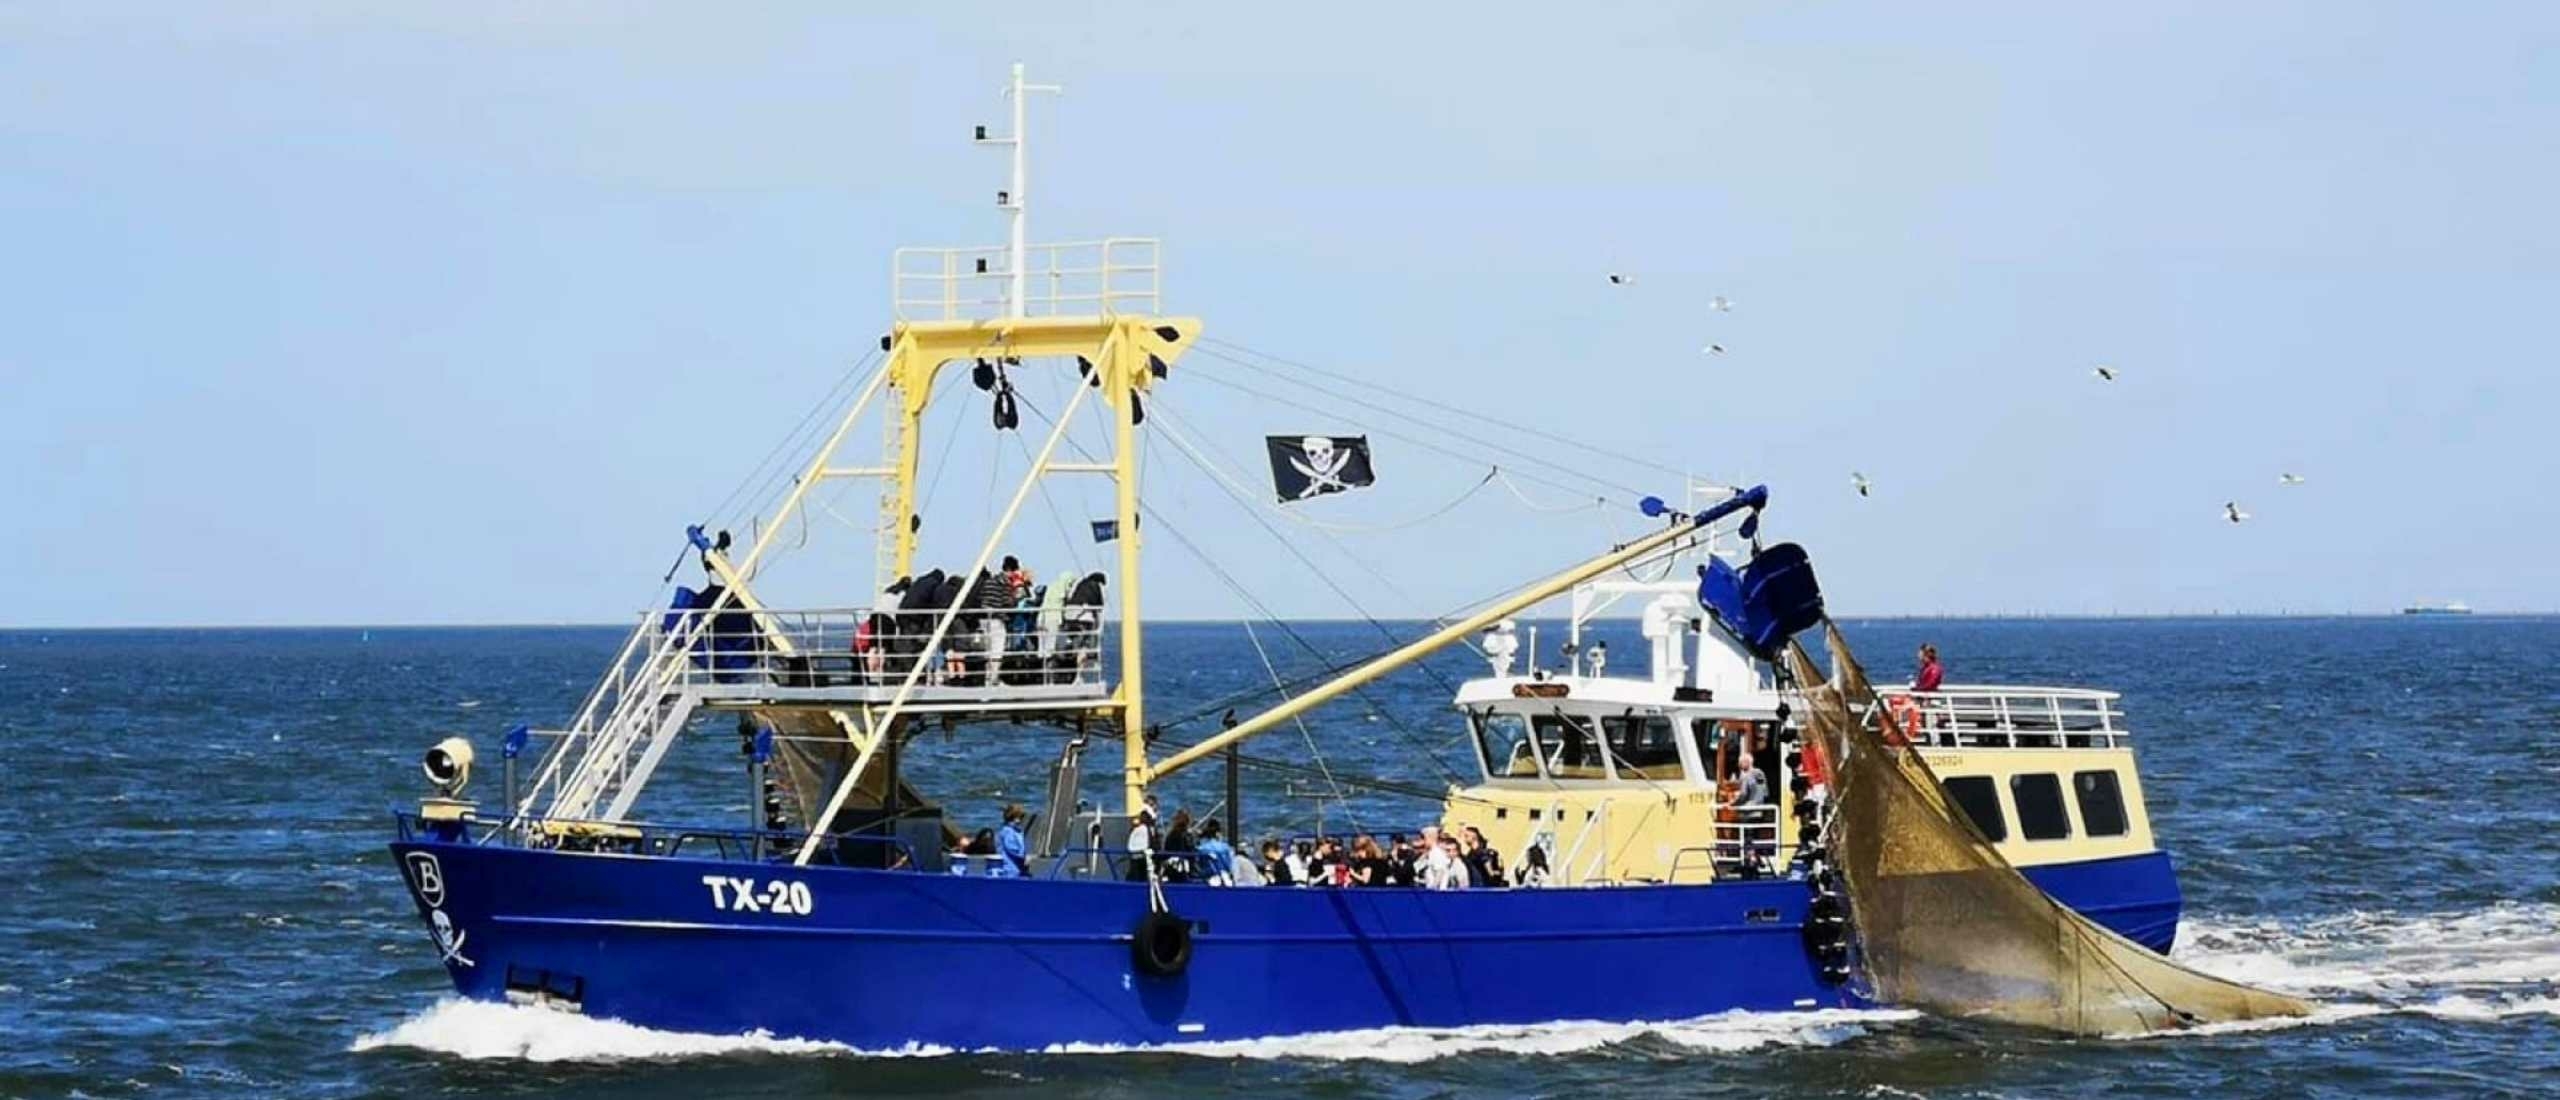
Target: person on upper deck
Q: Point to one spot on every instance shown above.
(1931, 672)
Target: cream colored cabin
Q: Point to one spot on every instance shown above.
(1623, 779)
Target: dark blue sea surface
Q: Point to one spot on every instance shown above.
(199, 902)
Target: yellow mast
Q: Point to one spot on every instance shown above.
(1127, 372)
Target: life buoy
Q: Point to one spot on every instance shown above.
(1902, 727)
(1161, 944)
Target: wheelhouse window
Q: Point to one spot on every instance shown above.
(2040, 812)
(1643, 747)
(1980, 800)
(1504, 740)
(1569, 746)
(2101, 802)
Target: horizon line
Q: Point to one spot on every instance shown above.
(1932, 616)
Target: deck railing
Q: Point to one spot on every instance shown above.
(1104, 278)
(1995, 716)
(986, 651)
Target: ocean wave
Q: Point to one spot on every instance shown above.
(481, 1031)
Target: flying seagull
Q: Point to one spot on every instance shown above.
(1714, 349)
(2106, 373)
(1616, 279)
(2288, 479)
(2231, 511)
(1858, 481)
(1720, 304)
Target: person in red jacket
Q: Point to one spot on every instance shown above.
(1931, 672)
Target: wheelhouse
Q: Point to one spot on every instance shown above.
(1691, 769)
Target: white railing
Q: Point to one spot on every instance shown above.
(1100, 278)
(1749, 838)
(629, 698)
(986, 651)
(1994, 716)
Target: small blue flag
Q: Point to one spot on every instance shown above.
(1105, 530)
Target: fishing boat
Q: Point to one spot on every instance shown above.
(1660, 820)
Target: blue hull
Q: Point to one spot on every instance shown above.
(881, 960)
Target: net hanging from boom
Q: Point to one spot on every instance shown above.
(1943, 922)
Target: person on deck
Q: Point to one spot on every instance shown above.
(1336, 867)
(1752, 788)
(1179, 844)
(1368, 863)
(1484, 865)
(1533, 866)
(1301, 864)
(1400, 857)
(1931, 672)
(1142, 847)
(1013, 851)
(1448, 869)
(1217, 860)
(1017, 581)
(1277, 868)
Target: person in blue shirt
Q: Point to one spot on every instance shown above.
(1012, 851)
(1218, 861)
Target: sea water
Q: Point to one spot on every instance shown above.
(198, 903)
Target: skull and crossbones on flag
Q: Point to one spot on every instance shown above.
(1307, 466)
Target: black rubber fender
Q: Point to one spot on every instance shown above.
(1161, 945)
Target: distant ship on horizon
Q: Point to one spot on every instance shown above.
(2456, 607)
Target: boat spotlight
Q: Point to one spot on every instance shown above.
(448, 766)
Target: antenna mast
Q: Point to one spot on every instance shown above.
(1015, 200)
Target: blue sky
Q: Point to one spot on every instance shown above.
(345, 313)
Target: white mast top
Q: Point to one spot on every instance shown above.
(1016, 200)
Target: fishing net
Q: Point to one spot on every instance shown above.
(1944, 923)
(811, 755)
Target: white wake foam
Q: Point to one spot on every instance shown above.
(1721, 1033)
(480, 1030)
(2476, 965)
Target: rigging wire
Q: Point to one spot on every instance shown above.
(1251, 508)
(1150, 512)
(790, 443)
(1593, 504)
(1354, 419)
(1354, 380)
(1300, 721)
(1476, 438)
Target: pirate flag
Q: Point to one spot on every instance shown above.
(1304, 467)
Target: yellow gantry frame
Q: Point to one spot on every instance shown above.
(1123, 352)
